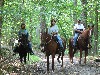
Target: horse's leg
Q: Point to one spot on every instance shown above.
(74, 52)
(59, 57)
(53, 55)
(20, 58)
(25, 58)
(71, 51)
(62, 58)
(47, 62)
(71, 55)
(28, 56)
(86, 52)
(80, 56)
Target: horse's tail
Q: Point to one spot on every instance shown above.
(64, 42)
(70, 48)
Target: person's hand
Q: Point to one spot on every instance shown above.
(81, 32)
(54, 33)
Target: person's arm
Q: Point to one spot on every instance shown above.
(56, 30)
(75, 29)
(78, 31)
(27, 34)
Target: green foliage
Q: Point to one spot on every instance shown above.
(34, 58)
(16, 11)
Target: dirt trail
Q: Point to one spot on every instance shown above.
(39, 68)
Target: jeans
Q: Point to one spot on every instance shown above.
(59, 40)
(75, 38)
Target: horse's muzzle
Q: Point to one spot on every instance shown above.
(42, 47)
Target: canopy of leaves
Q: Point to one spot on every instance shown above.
(17, 11)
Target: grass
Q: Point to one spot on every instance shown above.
(34, 58)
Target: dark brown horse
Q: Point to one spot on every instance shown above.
(50, 47)
(22, 49)
(82, 44)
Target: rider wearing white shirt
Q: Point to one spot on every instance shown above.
(78, 28)
(53, 31)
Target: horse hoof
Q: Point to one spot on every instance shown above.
(59, 61)
(85, 63)
(14, 54)
(61, 58)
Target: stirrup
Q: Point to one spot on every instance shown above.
(31, 53)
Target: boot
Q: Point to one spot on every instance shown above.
(61, 49)
(31, 52)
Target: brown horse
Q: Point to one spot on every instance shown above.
(50, 47)
(82, 44)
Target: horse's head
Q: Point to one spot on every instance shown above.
(45, 38)
(87, 32)
(90, 30)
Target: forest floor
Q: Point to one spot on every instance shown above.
(14, 67)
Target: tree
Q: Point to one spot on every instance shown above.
(74, 13)
(1, 18)
(42, 16)
(96, 28)
(84, 13)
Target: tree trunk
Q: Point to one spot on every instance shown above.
(96, 29)
(84, 13)
(42, 20)
(1, 19)
(74, 13)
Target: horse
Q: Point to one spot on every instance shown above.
(50, 47)
(83, 42)
(22, 48)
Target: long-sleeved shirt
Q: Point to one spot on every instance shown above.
(52, 29)
(23, 31)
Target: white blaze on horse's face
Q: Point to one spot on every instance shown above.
(42, 48)
(15, 42)
(90, 32)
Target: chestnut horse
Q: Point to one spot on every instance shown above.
(50, 47)
(82, 44)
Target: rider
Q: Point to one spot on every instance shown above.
(78, 28)
(53, 31)
(24, 31)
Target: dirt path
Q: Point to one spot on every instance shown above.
(91, 68)
(40, 68)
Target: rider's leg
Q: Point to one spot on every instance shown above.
(75, 38)
(60, 42)
(30, 48)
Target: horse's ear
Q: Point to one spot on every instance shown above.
(92, 26)
(88, 26)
